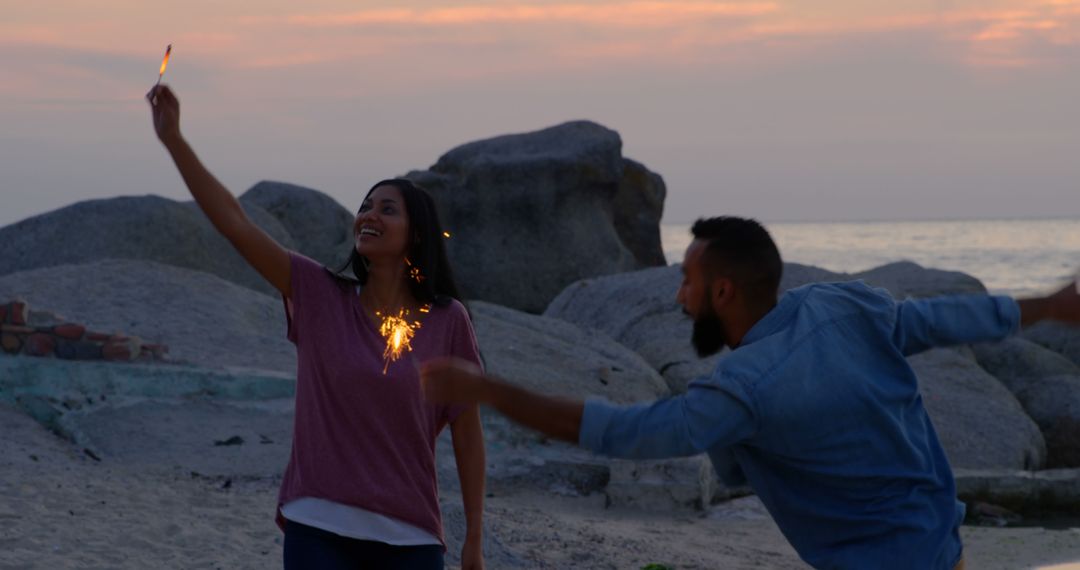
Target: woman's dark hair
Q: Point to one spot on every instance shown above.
(427, 249)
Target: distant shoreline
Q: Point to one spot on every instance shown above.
(1016, 257)
(767, 221)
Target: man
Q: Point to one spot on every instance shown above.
(815, 407)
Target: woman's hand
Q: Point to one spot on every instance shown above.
(165, 108)
(472, 554)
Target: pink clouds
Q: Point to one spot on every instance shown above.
(626, 14)
(537, 36)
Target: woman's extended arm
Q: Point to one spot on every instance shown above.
(469, 452)
(260, 250)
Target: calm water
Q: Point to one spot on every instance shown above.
(1015, 257)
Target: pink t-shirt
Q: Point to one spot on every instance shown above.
(361, 437)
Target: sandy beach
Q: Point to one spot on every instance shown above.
(63, 509)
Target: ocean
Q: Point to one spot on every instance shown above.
(1011, 257)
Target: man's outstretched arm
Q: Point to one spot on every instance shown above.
(674, 427)
(922, 324)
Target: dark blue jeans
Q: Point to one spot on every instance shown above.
(310, 548)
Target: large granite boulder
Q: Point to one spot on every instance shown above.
(320, 227)
(980, 423)
(556, 357)
(1061, 338)
(133, 227)
(907, 279)
(639, 310)
(531, 213)
(638, 206)
(202, 318)
(1047, 385)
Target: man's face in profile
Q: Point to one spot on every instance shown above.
(695, 296)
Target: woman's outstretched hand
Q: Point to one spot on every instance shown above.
(165, 108)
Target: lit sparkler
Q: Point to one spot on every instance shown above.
(164, 63)
(398, 331)
(161, 73)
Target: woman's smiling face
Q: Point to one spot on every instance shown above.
(381, 227)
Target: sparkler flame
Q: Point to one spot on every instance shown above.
(165, 61)
(398, 332)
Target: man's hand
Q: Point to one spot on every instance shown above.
(1063, 306)
(452, 381)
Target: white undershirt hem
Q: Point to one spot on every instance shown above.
(354, 522)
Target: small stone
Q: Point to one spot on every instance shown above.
(86, 350)
(70, 331)
(234, 440)
(65, 349)
(127, 349)
(19, 312)
(11, 343)
(39, 344)
(986, 514)
(78, 350)
(156, 351)
(117, 351)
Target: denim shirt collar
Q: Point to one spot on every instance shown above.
(775, 319)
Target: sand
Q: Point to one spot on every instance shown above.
(64, 509)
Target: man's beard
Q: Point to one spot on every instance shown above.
(708, 336)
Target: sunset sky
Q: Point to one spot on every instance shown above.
(782, 110)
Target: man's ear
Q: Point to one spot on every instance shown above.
(723, 292)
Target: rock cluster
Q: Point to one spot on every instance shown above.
(24, 333)
(203, 319)
(531, 213)
(555, 243)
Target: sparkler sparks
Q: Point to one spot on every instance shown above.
(398, 331)
(414, 272)
(164, 63)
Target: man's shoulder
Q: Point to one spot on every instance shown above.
(827, 300)
(815, 310)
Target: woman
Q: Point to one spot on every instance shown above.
(360, 489)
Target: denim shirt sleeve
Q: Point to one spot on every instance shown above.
(922, 324)
(702, 418)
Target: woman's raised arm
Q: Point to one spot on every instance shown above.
(259, 249)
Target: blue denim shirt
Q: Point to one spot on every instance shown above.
(820, 413)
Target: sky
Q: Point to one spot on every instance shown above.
(786, 110)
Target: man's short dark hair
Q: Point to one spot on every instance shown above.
(741, 249)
